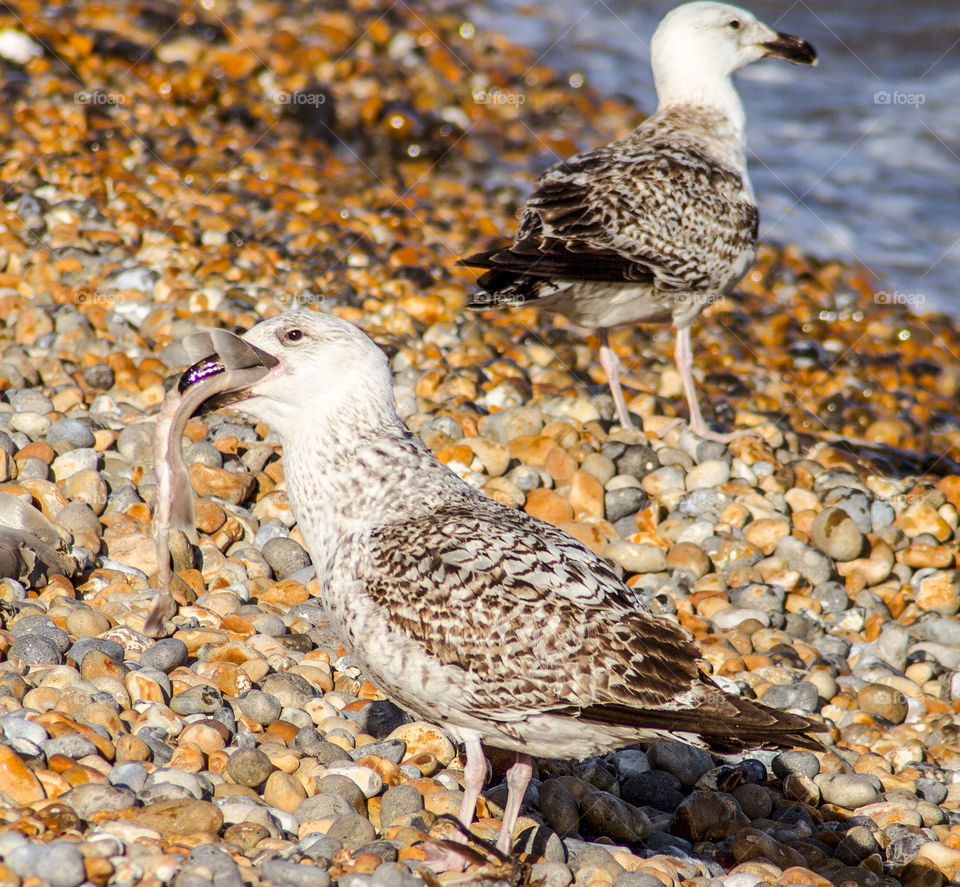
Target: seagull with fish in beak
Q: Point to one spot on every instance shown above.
(496, 626)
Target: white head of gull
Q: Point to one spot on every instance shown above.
(490, 623)
(654, 226)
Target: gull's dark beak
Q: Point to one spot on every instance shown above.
(791, 48)
(224, 352)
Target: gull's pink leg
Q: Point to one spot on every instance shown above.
(474, 773)
(611, 366)
(518, 778)
(447, 859)
(683, 357)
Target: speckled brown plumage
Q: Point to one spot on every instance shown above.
(654, 226)
(499, 627)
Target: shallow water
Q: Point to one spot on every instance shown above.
(859, 157)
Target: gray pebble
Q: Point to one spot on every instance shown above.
(268, 624)
(882, 514)
(15, 727)
(658, 789)
(164, 791)
(392, 750)
(193, 783)
(327, 806)
(203, 453)
(802, 763)
(73, 745)
(320, 848)
(755, 801)
(553, 874)
(506, 424)
(35, 649)
(623, 502)
(757, 596)
(290, 689)
(902, 843)
(131, 774)
(285, 556)
(199, 699)
(832, 597)
(28, 400)
(810, 563)
(857, 845)
(269, 531)
(684, 761)
(342, 786)
(393, 874)
(381, 717)
(802, 695)
(850, 790)
(99, 376)
(284, 873)
(352, 830)
(605, 814)
(165, 655)
(386, 850)
(559, 807)
(73, 432)
(88, 799)
(59, 863)
(249, 766)
(401, 800)
(208, 864)
(636, 879)
(259, 706)
(931, 790)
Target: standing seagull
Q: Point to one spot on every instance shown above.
(656, 225)
(495, 625)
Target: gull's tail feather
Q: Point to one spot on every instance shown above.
(716, 720)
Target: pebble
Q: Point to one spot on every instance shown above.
(847, 789)
(165, 655)
(249, 766)
(837, 534)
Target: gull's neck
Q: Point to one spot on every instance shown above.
(715, 98)
(342, 478)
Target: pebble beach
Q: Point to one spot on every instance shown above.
(170, 169)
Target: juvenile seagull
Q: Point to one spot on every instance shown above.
(498, 627)
(656, 225)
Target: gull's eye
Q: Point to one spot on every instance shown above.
(291, 337)
(735, 25)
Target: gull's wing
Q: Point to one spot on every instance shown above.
(644, 209)
(546, 625)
